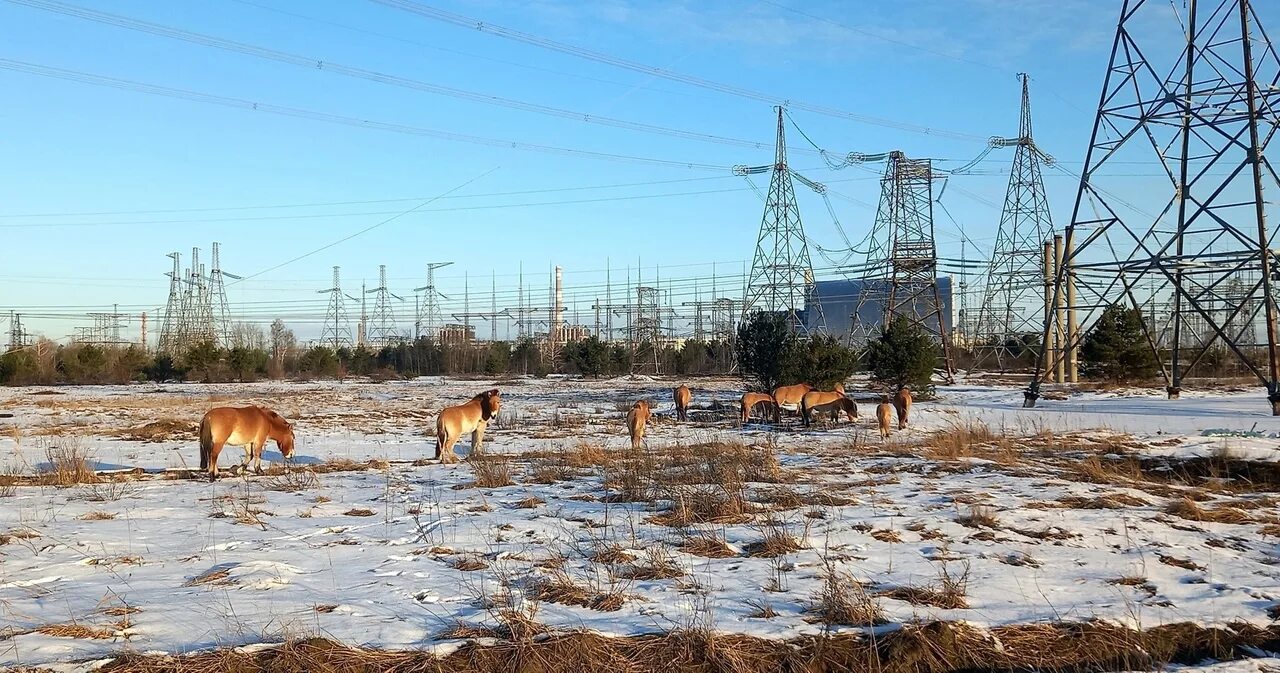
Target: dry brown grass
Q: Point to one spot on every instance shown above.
(886, 535)
(657, 564)
(468, 563)
(775, 540)
(529, 502)
(979, 516)
(216, 576)
(705, 504)
(611, 554)
(76, 631)
(163, 430)
(1104, 501)
(1179, 562)
(947, 593)
(1190, 510)
(842, 601)
(359, 511)
(931, 647)
(97, 515)
(66, 463)
(706, 542)
(490, 470)
(292, 481)
(760, 609)
(559, 587)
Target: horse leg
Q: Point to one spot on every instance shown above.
(477, 439)
(258, 447)
(214, 450)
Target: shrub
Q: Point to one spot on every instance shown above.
(1116, 347)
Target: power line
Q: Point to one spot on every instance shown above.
(240, 103)
(444, 16)
(325, 65)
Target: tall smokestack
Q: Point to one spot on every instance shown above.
(557, 319)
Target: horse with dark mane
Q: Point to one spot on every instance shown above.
(471, 417)
(249, 427)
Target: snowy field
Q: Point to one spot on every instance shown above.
(1121, 506)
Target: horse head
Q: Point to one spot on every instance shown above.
(490, 403)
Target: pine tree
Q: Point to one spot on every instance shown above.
(902, 356)
(1116, 347)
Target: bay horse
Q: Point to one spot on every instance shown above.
(884, 417)
(682, 397)
(902, 404)
(636, 420)
(822, 401)
(249, 427)
(789, 397)
(752, 400)
(471, 417)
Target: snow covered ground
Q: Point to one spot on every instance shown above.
(399, 555)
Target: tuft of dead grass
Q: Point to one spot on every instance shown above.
(776, 539)
(490, 470)
(979, 516)
(947, 593)
(468, 563)
(657, 564)
(97, 515)
(842, 601)
(1189, 509)
(66, 463)
(76, 631)
(707, 543)
(705, 504)
(359, 511)
(292, 481)
(216, 576)
(529, 502)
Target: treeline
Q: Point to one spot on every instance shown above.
(255, 355)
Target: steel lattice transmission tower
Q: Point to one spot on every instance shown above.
(901, 271)
(170, 326)
(1014, 294)
(383, 330)
(220, 312)
(781, 278)
(335, 334)
(1197, 258)
(429, 319)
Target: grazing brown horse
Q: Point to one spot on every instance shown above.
(827, 400)
(636, 420)
(470, 417)
(884, 417)
(682, 397)
(249, 427)
(750, 401)
(902, 404)
(789, 397)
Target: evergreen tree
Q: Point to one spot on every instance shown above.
(1116, 347)
(766, 349)
(902, 356)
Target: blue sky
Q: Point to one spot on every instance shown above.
(72, 150)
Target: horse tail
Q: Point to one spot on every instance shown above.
(440, 435)
(206, 442)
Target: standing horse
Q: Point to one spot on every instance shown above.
(752, 400)
(249, 427)
(884, 417)
(789, 397)
(827, 400)
(902, 404)
(470, 417)
(636, 420)
(682, 397)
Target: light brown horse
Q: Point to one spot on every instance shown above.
(902, 404)
(249, 427)
(822, 401)
(750, 401)
(470, 417)
(636, 420)
(884, 417)
(789, 397)
(682, 397)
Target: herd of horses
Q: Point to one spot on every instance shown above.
(252, 427)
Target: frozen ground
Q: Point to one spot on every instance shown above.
(400, 555)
